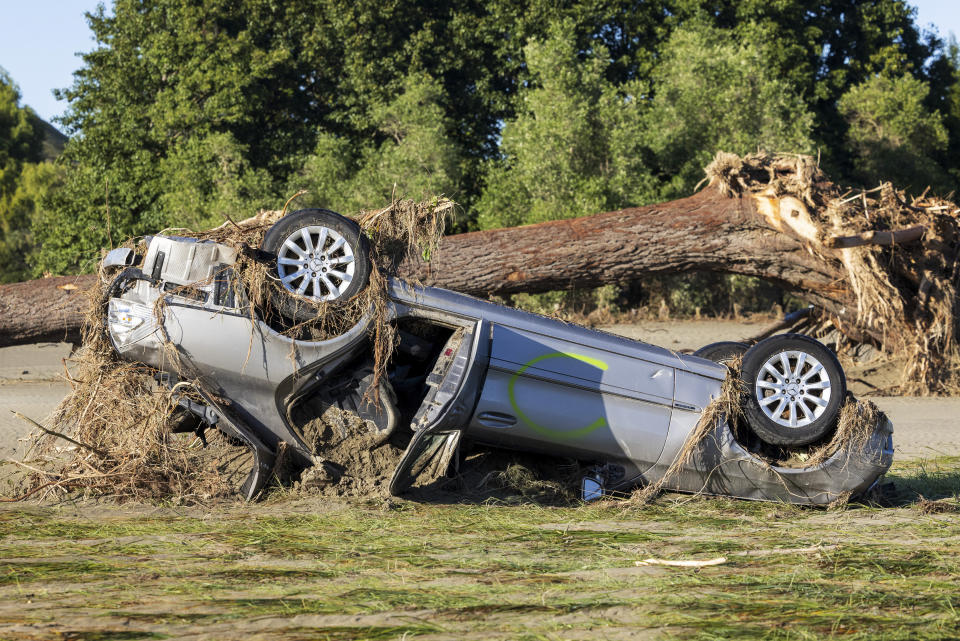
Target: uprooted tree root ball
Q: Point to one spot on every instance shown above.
(899, 256)
(114, 434)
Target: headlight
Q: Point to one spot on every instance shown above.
(129, 322)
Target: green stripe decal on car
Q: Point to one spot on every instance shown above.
(542, 429)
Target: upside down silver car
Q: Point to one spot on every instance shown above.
(468, 368)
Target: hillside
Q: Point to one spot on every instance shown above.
(53, 140)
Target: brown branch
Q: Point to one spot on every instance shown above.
(887, 237)
(787, 322)
(96, 451)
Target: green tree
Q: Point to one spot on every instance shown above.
(416, 159)
(714, 92)
(182, 108)
(216, 103)
(894, 135)
(21, 143)
(573, 147)
(822, 49)
(35, 184)
(20, 140)
(206, 179)
(945, 75)
(180, 94)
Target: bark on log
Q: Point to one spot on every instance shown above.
(704, 232)
(44, 310)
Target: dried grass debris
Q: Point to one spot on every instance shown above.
(123, 417)
(525, 479)
(856, 424)
(938, 506)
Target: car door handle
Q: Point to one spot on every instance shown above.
(496, 419)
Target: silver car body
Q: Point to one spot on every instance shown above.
(508, 378)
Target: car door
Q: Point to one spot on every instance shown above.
(439, 422)
(556, 396)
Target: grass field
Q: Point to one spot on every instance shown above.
(309, 569)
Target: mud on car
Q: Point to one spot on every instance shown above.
(465, 368)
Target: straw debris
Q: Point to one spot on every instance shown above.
(727, 406)
(938, 506)
(125, 420)
(857, 422)
(525, 479)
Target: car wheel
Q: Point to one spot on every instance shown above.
(321, 257)
(722, 352)
(795, 389)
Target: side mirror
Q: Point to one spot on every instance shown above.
(591, 489)
(120, 257)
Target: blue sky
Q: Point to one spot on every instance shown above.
(39, 40)
(38, 43)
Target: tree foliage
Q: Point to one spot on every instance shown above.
(20, 141)
(893, 133)
(416, 158)
(573, 148)
(714, 91)
(521, 110)
(23, 178)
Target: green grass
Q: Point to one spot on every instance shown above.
(389, 570)
(934, 479)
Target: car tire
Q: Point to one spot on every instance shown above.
(795, 387)
(320, 257)
(722, 352)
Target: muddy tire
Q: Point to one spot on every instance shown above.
(795, 387)
(321, 257)
(722, 352)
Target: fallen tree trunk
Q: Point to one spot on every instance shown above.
(44, 310)
(707, 231)
(881, 270)
(704, 232)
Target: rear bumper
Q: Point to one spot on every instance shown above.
(721, 466)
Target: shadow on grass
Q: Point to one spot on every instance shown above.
(918, 483)
(491, 475)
